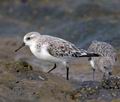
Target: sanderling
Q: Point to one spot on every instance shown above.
(53, 49)
(106, 61)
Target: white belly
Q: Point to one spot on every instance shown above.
(43, 54)
(92, 63)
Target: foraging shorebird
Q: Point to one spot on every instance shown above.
(53, 49)
(106, 61)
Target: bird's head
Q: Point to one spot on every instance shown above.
(29, 39)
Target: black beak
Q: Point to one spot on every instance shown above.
(23, 44)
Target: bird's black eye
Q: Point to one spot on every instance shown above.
(28, 38)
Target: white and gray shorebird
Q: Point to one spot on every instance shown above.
(53, 49)
(106, 61)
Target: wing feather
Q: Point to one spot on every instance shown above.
(61, 48)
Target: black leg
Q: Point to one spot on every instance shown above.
(52, 68)
(93, 74)
(67, 73)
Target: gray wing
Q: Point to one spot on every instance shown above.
(62, 48)
(103, 49)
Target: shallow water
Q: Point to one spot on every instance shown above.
(80, 21)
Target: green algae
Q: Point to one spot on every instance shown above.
(18, 66)
(111, 83)
(84, 93)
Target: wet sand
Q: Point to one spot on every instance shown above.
(23, 78)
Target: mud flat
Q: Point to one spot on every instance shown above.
(21, 81)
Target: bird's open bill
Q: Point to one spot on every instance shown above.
(23, 44)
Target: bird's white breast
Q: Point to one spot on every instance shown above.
(92, 63)
(43, 54)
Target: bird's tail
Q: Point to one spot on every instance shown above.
(84, 53)
(90, 55)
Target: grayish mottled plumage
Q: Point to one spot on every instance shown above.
(53, 49)
(108, 57)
